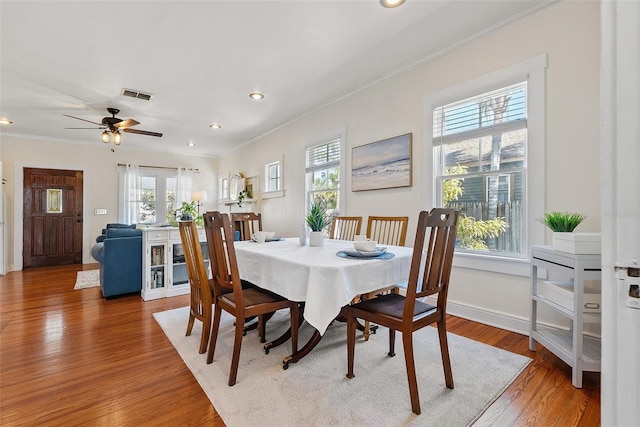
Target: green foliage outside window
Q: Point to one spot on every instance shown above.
(471, 233)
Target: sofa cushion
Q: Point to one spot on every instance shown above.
(117, 225)
(113, 233)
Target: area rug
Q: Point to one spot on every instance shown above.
(316, 392)
(87, 279)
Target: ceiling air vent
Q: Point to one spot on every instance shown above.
(136, 94)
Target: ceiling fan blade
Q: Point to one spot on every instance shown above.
(89, 128)
(126, 123)
(84, 120)
(141, 132)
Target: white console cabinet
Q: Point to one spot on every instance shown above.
(165, 272)
(580, 351)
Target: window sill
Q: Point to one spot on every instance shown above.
(273, 194)
(504, 265)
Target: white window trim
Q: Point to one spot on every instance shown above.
(534, 71)
(222, 177)
(161, 188)
(280, 191)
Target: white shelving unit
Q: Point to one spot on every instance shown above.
(581, 352)
(165, 273)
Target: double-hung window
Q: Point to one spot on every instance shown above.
(323, 174)
(485, 136)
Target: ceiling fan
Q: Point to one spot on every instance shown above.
(113, 125)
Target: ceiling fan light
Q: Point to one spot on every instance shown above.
(105, 137)
(117, 138)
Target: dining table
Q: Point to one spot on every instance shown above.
(324, 279)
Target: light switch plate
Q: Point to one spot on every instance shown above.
(100, 212)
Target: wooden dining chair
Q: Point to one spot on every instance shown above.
(345, 227)
(200, 296)
(230, 296)
(436, 230)
(246, 223)
(386, 230)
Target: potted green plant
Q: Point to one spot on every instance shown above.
(316, 219)
(563, 224)
(188, 212)
(244, 194)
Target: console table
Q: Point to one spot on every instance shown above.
(580, 352)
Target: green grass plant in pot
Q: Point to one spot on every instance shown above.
(316, 219)
(562, 222)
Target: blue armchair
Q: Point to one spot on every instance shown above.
(120, 257)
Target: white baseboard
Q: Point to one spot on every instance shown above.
(491, 318)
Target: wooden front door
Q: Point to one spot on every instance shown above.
(52, 227)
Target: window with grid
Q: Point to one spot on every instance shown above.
(323, 174)
(480, 149)
(272, 172)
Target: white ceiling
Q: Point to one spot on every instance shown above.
(201, 59)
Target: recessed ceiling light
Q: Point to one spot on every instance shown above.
(391, 3)
(191, 144)
(4, 121)
(215, 126)
(256, 95)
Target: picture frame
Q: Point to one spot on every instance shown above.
(382, 164)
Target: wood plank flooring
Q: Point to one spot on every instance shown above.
(73, 358)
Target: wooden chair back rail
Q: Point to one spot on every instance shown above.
(435, 241)
(246, 223)
(388, 230)
(345, 227)
(200, 296)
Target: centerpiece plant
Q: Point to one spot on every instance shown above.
(316, 219)
(188, 212)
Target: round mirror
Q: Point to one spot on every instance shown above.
(236, 186)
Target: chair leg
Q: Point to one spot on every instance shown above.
(407, 340)
(237, 345)
(261, 328)
(217, 312)
(392, 342)
(206, 331)
(444, 350)
(351, 342)
(192, 318)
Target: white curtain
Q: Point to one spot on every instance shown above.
(184, 185)
(131, 195)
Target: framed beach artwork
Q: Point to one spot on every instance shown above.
(382, 164)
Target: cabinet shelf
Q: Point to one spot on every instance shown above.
(581, 352)
(165, 271)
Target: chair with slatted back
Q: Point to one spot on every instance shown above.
(200, 296)
(345, 227)
(435, 239)
(386, 230)
(246, 224)
(229, 294)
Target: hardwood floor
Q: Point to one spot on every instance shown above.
(73, 358)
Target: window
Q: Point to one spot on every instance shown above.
(323, 174)
(272, 172)
(151, 196)
(223, 182)
(484, 135)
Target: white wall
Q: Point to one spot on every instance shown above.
(99, 165)
(568, 33)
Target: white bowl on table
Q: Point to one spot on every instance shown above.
(365, 245)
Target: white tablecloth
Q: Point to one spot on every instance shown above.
(317, 275)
